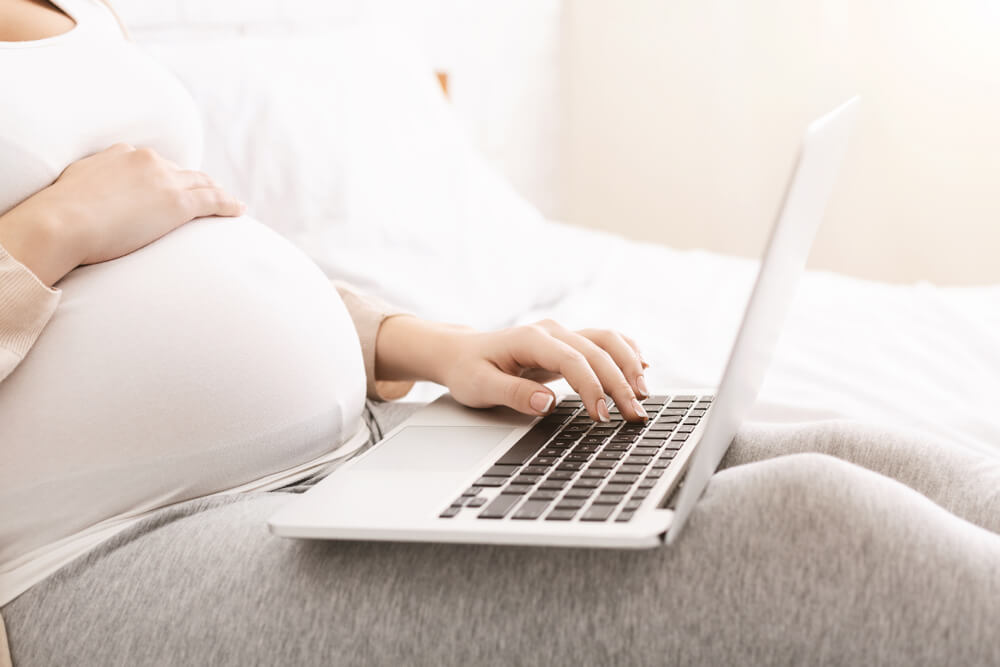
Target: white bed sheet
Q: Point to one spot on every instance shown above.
(915, 357)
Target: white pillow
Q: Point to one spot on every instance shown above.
(344, 143)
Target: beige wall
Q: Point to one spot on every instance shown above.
(682, 119)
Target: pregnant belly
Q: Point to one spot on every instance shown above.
(211, 358)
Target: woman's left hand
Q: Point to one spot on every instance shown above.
(507, 367)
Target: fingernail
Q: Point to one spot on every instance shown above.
(602, 410)
(540, 401)
(640, 382)
(641, 411)
(642, 360)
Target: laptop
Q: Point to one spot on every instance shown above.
(455, 474)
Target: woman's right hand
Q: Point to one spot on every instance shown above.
(106, 206)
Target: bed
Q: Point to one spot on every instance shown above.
(342, 141)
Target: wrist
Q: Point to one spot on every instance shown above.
(38, 237)
(408, 348)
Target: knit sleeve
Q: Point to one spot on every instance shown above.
(26, 305)
(368, 313)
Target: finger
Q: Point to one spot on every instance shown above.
(624, 355)
(534, 347)
(635, 346)
(191, 179)
(203, 202)
(518, 393)
(120, 147)
(540, 375)
(611, 376)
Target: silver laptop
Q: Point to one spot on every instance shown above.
(453, 474)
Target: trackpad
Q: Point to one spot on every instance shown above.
(437, 448)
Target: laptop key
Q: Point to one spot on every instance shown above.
(491, 481)
(595, 473)
(561, 514)
(570, 466)
(519, 489)
(624, 478)
(478, 501)
(450, 512)
(617, 446)
(473, 491)
(553, 484)
(501, 471)
(624, 516)
(500, 506)
(544, 494)
(587, 483)
(609, 499)
(601, 464)
(571, 504)
(598, 513)
(527, 479)
(578, 492)
(532, 509)
(544, 461)
(560, 474)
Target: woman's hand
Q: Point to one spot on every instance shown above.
(105, 206)
(506, 367)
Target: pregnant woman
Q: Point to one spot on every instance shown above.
(170, 370)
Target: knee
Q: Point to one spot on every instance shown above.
(797, 491)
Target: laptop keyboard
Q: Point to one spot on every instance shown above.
(569, 467)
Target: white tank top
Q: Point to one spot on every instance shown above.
(217, 359)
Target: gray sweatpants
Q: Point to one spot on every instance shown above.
(828, 544)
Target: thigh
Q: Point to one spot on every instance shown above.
(796, 559)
